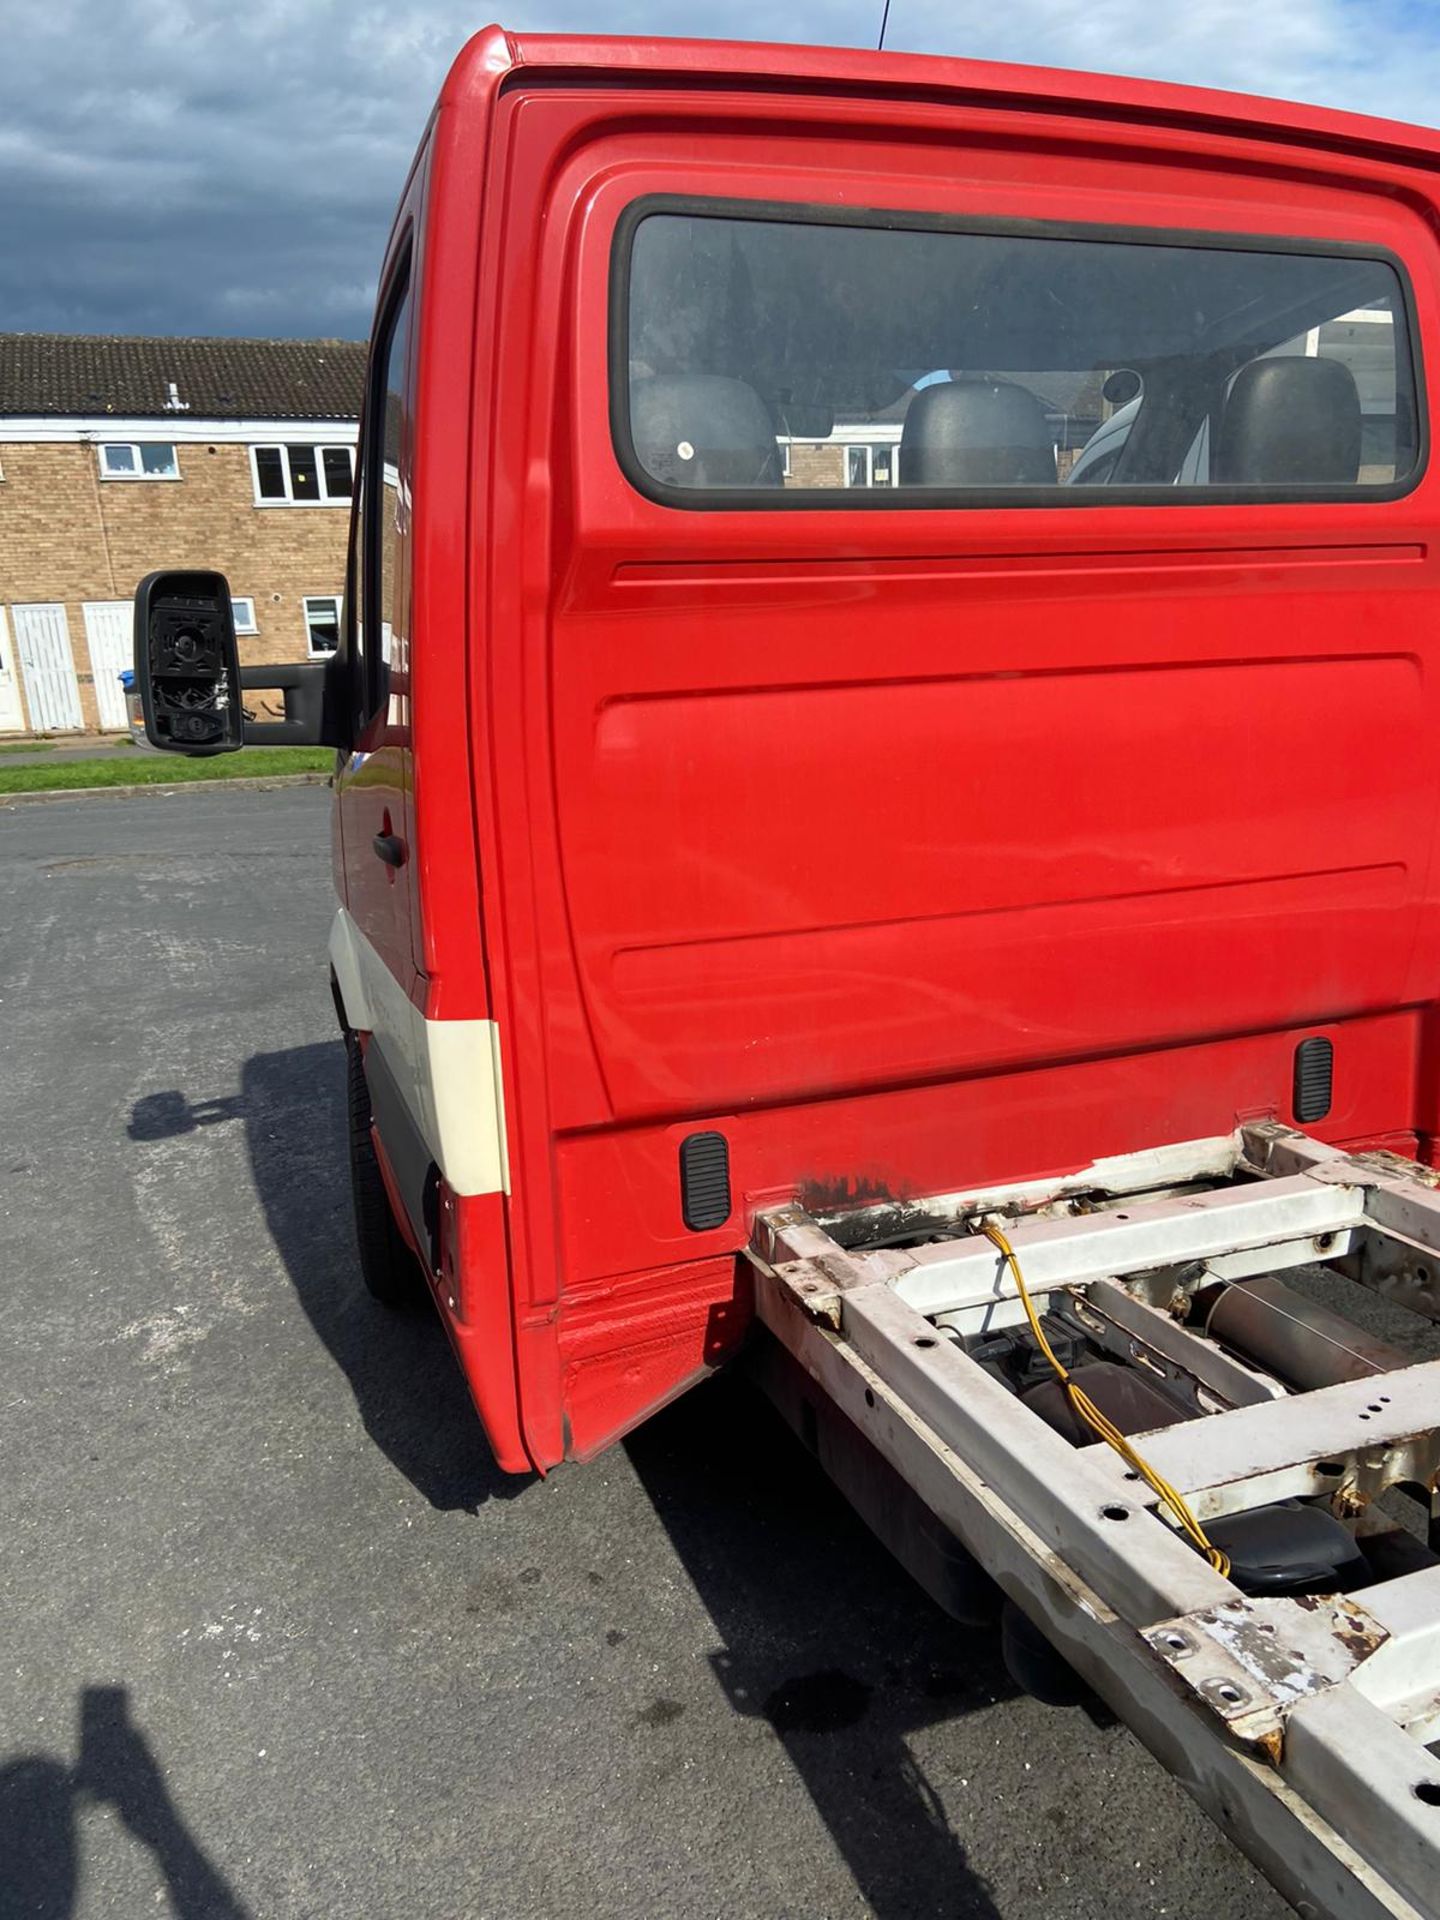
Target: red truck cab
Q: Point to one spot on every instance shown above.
(774, 762)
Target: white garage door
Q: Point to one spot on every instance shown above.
(12, 714)
(109, 634)
(42, 639)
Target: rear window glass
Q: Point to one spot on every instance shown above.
(765, 360)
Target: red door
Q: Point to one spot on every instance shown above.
(915, 824)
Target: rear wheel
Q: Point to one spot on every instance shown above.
(389, 1269)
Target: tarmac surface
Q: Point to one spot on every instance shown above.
(279, 1641)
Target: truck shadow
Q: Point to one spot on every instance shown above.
(825, 1638)
(407, 1386)
(42, 1797)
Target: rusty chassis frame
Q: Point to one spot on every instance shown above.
(1298, 1723)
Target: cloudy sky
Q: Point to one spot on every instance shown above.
(230, 166)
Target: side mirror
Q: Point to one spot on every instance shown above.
(187, 663)
(187, 667)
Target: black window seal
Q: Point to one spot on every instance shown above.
(942, 499)
(362, 516)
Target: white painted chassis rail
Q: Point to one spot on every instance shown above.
(1298, 1728)
(1157, 1233)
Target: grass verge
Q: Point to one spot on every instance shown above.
(166, 770)
(27, 746)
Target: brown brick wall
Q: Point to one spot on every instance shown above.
(816, 467)
(68, 535)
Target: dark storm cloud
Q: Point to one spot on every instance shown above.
(182, 166)
(176, 168)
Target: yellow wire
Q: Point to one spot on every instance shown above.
(1090, 1416)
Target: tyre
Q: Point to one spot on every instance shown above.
(389, 1269)
(1034, 1665)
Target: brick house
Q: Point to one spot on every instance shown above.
(121, 455)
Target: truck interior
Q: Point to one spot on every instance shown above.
(990, 352)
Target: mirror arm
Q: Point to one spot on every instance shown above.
(316, 707)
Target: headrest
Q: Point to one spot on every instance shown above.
(703, 430)
(976, 433)
(1289, 419)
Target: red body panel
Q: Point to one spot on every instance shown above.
(912, 850)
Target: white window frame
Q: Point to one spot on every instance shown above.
(319, 448)
(852, 446)
(245, 623)
(892, 447)
(103, 447)
(869, 446)
(309, 600)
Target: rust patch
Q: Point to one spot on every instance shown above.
(812, 1291)
(1382, 1160)
(861, 1212)
(1360, 1644)
(845, 1192)
(1252, 1660)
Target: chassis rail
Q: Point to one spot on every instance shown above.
(1299, 1724)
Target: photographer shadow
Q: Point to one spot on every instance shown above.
(41, 1799)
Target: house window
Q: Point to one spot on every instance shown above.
(244, 607)
(138, 460)
(297, 476)
(322, 623)
(857, 466)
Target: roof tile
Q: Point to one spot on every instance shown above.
(66, 375)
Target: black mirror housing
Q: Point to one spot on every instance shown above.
(187, 667)
(187, 663)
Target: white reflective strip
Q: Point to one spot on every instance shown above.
(447, 1070)
(344, 958)
(466, 1106)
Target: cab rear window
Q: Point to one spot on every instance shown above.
(775, 357)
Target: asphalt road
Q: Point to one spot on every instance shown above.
(278, 1640)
